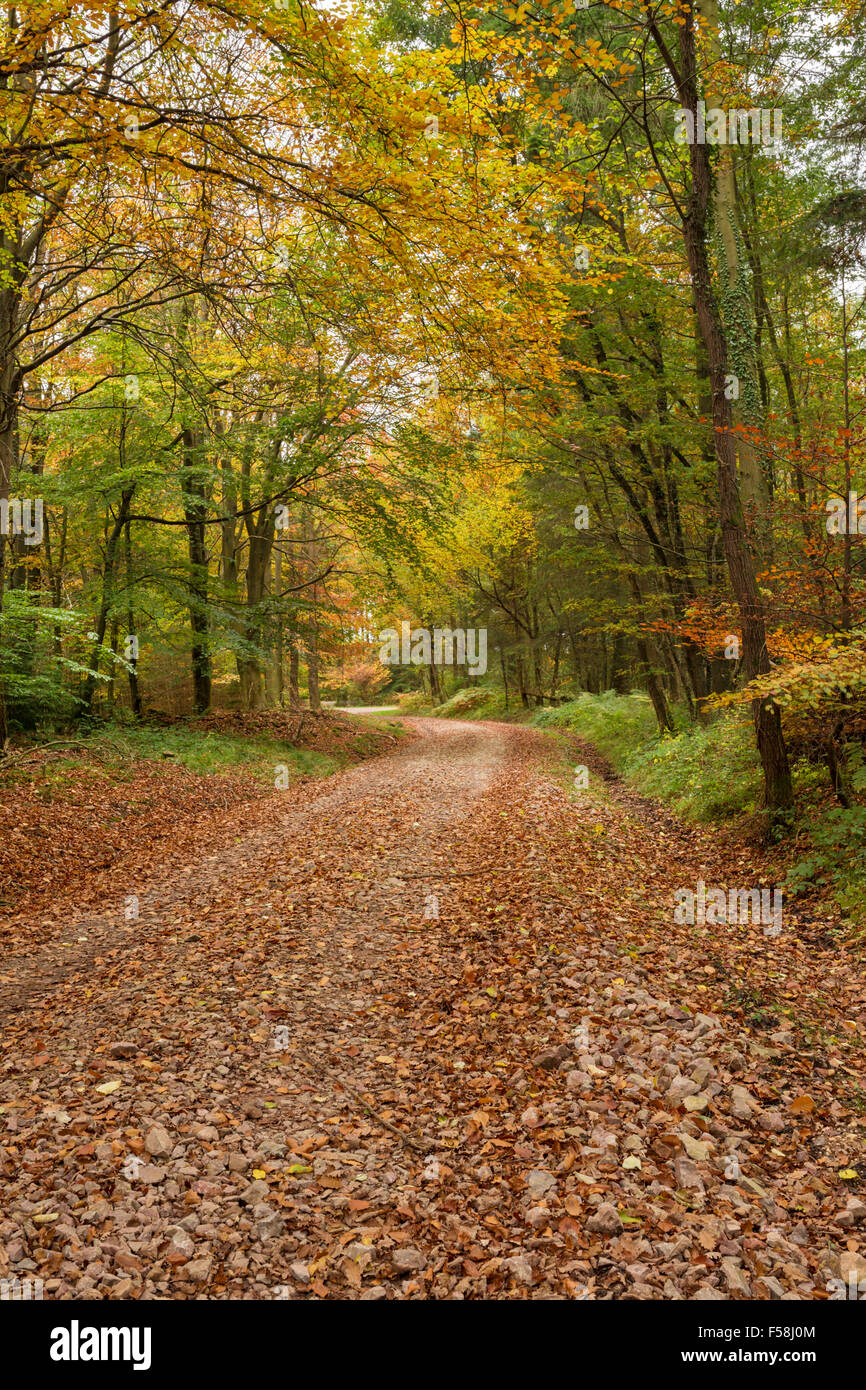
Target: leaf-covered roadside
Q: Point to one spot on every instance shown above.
(114, 806)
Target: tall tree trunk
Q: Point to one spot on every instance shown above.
(195, 514)
(735, 309)
(10, 390)
(766, 716)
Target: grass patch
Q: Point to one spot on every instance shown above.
(474, 702)
(712, 774)
(210, 753)
(617, 725)
(114, 752)
(704, 773)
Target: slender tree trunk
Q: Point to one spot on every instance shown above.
(55, 563)
(8, 460)
(619, 670)
(294, 674)
(554, 679)
(653, 684)
(808, 523)
(435, 686)
(521, 681)
(537, 670)
(134, 688)
(278, 633)
(195, 513)
(311, 550)
(106, 601)
(313, 667)
(258, 565)
(111, 692)
(846, 611)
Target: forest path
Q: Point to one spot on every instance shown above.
(428, 1030)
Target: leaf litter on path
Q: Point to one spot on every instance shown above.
(269, 1087)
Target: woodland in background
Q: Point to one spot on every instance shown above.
(315, 321)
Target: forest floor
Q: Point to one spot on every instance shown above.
(428, 1028)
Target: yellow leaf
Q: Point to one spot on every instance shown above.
(107, 1087)
(259, 1173)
